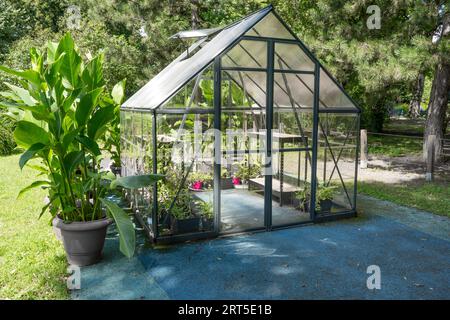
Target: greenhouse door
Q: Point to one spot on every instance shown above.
(244, 137)
(292, 118)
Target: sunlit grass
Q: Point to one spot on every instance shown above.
(393, 146)
(431, 197)
(32, 261)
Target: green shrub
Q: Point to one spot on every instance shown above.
(7, 143)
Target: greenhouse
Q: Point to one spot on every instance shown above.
(250, 130)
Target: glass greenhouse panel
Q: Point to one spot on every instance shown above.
(292, 57)
(243, 148)
(293, 91)
(247, 53)
(291, 184)
(337, 160)
(185, 157)
(292, 128)
(331, 96)
(197, 93)
(252, 84)
(270, 27)
(123, 141)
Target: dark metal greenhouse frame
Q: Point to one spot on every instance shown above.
(271, 71)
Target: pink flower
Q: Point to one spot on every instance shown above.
(197, 185)
(236, 180)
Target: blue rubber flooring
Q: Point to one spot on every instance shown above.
(322, 261)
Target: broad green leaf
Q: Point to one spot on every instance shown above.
(68, 102)
(22, 94)
(136, 182)
(37, 60)
(30, 153)
(90, 144)
(87, 103)
(27, 133)
(118, 92)
(97, 125)
(28, 75)
(41, 169)
(35, 184)
(127, 236)
(44, 208)
(39, 112)
(51, 51)
(69, 137)
(72, 160)
(93, 73)
(71, 62)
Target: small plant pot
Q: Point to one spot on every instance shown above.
(83, 241)
(166, 220)
(226, 183)
(198, 186)
(207, 224)
(188, 225)
(237, 181)
(325, 206)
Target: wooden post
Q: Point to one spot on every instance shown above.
(364, 151)
(430, 157)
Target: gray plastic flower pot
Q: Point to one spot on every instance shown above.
(83, 241)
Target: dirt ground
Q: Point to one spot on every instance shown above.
(400, 169)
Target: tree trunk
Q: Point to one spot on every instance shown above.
(437, 109)
(195, 19)
(414, 105)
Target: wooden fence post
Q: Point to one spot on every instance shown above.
(431, 140)
(364, 151)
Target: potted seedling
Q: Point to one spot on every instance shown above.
(183, 218)
(302, 199)
(226, 181)
(247, 171)
(62, 111)
(199, 181)
(207, 213)
(324, 196)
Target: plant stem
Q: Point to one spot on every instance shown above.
(59, 192)
(67, 180)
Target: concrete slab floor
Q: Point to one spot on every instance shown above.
(322, 261)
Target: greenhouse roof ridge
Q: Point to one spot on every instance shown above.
(182, 70)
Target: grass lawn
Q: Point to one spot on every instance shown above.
(32, 261)
(431, 197)
(393, 146)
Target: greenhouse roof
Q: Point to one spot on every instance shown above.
(175, 75)
(289, 89)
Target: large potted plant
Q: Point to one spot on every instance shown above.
(62, 109)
